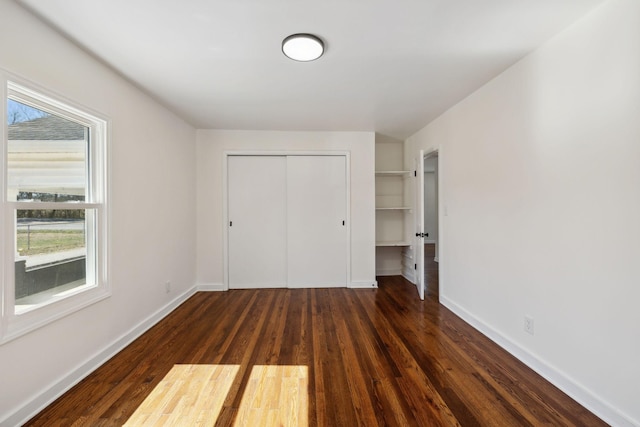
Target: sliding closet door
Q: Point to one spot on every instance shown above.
(316, 215)
(257, 221)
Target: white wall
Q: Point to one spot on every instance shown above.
(211, 146)
(152, 220)
(540, 172)
(389, 153)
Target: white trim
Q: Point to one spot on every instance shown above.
(389, 272)
(225, 221)
(571, 387)
(363, 284)
(59, 104)
(20, 324)
(440, 245)
(347, 160)
(6, 247)
(57, 389)
(53, 205)
(410, 275)
(210, 287)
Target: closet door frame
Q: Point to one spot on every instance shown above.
(225, 199)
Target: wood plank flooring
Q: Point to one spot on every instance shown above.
(371, 357)
(431, 271)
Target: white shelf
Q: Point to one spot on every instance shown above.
(392, 244)
(392, 214)
(392, 173)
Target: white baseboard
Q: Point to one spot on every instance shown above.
(210, 287)
(363, 284)
(573, 389)
(219, 287)
(410, 276)
(51, 393)
(410, 273)
(389, 272)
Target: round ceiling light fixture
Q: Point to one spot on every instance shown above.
(303, 47)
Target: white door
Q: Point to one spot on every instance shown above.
(419, 226)
(257, 206)
(316, 216)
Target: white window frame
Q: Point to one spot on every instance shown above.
(14, 324)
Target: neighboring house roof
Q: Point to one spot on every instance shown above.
(49, 128)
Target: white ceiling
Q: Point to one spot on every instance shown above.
(391, 66)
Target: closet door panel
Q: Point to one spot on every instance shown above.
(316, 209)
(257, 204)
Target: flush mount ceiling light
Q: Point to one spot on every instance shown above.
(303, 47)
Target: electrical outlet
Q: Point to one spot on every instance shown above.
(528, 324)
(167, 286)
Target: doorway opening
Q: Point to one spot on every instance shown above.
(431, 224)
(427, 223)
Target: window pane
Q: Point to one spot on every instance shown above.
(51, 253)
(47, 156)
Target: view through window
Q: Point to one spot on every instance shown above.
(47, 165)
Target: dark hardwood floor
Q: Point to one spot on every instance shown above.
(374, 357)
(431, 272)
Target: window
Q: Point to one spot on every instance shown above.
(54, 209)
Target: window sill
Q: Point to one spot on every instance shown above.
(31, 317)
